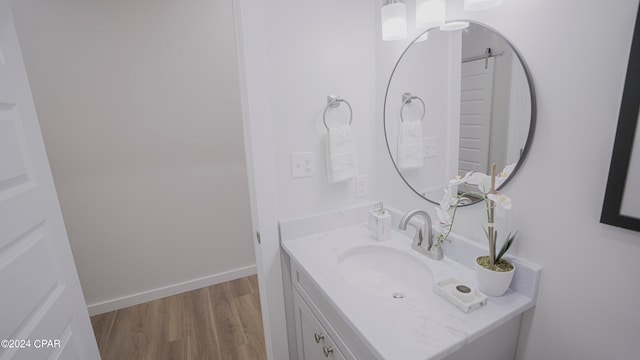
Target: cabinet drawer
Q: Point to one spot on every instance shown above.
(300, 280)
(313, 340)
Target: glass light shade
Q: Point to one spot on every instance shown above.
(394, 21)
(430, 12)
(477, 5)
(454, 26)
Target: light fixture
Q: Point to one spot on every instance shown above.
(430, 12)
(454, 26)
(477, 5)
(394, 20)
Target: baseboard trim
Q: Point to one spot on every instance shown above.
(142, 297)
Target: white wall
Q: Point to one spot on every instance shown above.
(295, 54)
(140, 110)
(315, 49)
(577, 52)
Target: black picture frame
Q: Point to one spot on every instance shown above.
(623, 145)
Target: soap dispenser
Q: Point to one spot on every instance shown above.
(380, 222)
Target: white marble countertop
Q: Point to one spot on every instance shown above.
(412, 328)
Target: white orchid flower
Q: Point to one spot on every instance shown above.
(485, 184)
(502, 176)
(443, 225)
(494, 201)
(441, 231)
(461, 180)
(444, 218)
(482, 181)
(445, 202)
(506, 171)
(503, 202)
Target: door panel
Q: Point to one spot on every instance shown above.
(40, 296)
(476, 99)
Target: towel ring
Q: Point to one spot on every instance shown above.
(406, 99)
(332, 102)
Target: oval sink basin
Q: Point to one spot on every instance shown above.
(386, 272)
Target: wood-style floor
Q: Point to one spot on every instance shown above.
(219, 322)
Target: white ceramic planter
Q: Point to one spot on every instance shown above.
(493, 283)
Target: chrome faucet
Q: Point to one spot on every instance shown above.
(431, 251)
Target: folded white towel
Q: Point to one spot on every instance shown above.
(342, 163)
(410, 155)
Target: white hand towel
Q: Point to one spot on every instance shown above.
(342, 163)
(410, 145)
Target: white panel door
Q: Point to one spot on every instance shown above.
(42, 311)
(476, 97)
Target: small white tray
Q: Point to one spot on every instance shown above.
(466, 302)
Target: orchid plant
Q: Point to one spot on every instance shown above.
(496, 204)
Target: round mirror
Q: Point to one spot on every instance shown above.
(458, 101)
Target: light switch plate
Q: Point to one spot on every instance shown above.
(430, 147)
(303, 165)
(362, 186)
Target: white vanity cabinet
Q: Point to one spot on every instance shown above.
(313, 340)
(352, 323)
(318, 338)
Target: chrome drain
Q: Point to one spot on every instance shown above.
(398, 296)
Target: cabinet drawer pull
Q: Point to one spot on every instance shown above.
(327, 350)
(318, 337)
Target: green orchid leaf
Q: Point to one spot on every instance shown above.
(495, 238)
(507, 245)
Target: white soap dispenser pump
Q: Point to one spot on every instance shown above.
(380, 222)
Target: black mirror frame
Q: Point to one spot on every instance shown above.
(532, 125)
(623, 145)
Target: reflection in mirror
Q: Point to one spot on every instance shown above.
(455, 103)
